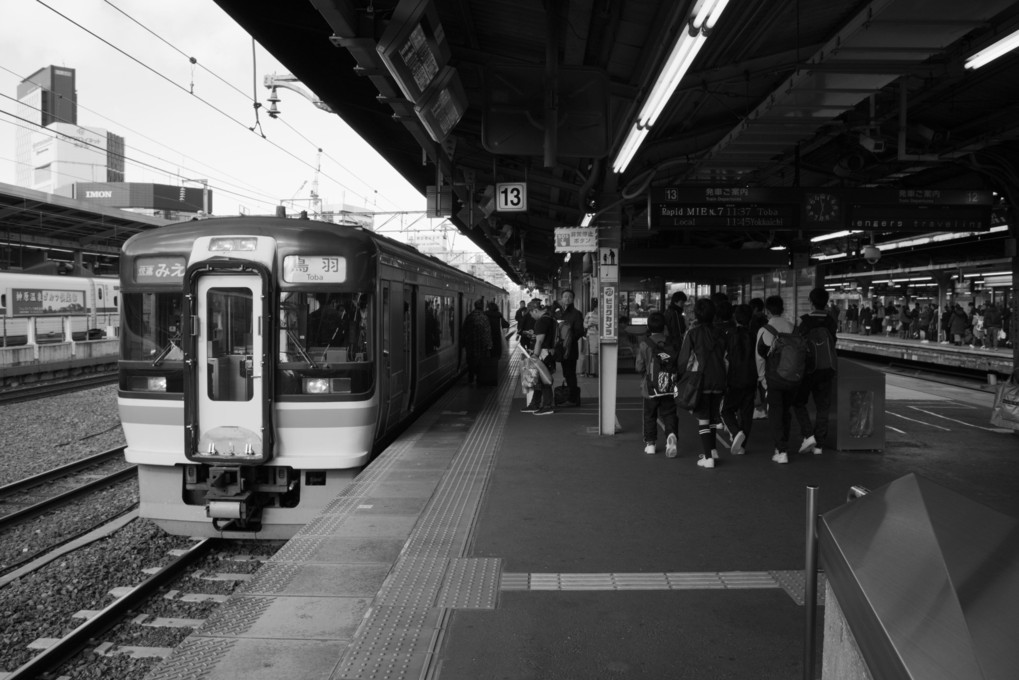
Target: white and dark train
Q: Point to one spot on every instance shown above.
(39, 309)
(264, 361)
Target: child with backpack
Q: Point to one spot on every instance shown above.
(778, 361)
(822, 363)
(656, 363)
(705, 341)
(737, 410)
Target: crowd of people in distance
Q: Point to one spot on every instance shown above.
(735, 364)
(986, 325)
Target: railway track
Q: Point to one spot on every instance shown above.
(51, 388)
(58, 654)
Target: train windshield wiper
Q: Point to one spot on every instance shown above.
(167, 351)
(301, 351)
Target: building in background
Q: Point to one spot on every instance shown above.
(53, 152)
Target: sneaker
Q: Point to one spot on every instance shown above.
(649, 448)
(760, 414)
(737, 444)
(670, 447)
(808, 444)
(529, 409)
(818, 450)
(705, 462)
(714, 454)
(544, 411)
(780, 457)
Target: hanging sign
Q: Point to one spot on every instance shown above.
(609, 315)
(576, 239)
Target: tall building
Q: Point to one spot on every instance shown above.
(52, 152)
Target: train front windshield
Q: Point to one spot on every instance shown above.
(152, 327)
(325, 343)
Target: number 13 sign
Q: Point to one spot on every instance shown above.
(511, 197)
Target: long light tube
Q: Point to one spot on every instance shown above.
(989, 54)
(683, 54)
(691, 38)
(630, 146)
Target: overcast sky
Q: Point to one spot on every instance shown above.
(143, 93)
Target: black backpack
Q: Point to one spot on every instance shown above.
(821, 355)
(786, 363)
(739, 349)
(660, 375)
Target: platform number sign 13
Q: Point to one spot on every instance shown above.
(511, 197)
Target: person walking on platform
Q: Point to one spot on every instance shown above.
(957, 325)
(925, 322)
(519, 317)
(499, 326)
(476, 339)
(853, 318)
(572, 316)
(675, 317)
(822, 364)
(704, 340)
(866, 319)
(662, 407)
(780, 400)
(992, 324)
(544, 342)
(757, 320)
(737, 411)
(591, 329)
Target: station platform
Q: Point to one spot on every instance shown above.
(490, 543)
(998, 361)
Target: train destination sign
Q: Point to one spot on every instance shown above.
(737, 208)
(819, 209)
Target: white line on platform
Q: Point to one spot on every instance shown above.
(895, 429)
(914, 420)
(961, 422)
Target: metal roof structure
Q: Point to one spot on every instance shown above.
(784, 93)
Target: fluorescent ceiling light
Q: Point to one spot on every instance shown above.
(630, 146)
(837, 234)
(692, 36)
(989, 54)
(777, 248)
(829, 257)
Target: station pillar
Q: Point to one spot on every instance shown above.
(609, 224)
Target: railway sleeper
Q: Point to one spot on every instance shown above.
(234, 496)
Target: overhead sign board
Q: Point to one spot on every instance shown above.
(819, 209)
(576, 239)
(511, 197)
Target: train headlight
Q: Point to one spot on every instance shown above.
(148, 383)
(327, 385)
(232, 245)
(316, 386)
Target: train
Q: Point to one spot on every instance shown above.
(39, 309)
(265, 360)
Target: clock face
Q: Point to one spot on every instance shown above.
(822, 207)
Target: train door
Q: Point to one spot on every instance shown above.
(229, 419)
(395, 368)
(409, 344)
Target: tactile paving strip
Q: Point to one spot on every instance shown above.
(193, 659)
(235, 616)
(795, 582)
(471, 584)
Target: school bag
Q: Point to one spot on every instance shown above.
(660, 375)
(786, 363)
(742, 371)
(821, 354)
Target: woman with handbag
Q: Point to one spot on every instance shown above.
(701, 366)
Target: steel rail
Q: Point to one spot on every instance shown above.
(62, 471)
(55, 656)
(66, 497)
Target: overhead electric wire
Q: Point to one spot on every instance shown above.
(178, 86)
(194, 61)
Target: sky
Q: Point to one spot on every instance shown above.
(181, 120)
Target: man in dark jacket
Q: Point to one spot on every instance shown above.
(817, 383)
(992, 324)
(572, 316)
(675, 320)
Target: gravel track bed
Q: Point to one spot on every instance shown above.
(42, 434)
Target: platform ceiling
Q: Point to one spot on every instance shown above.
(781, 95)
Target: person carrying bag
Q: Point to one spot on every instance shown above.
(1005, 412)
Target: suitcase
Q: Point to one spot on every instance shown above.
(488, 371)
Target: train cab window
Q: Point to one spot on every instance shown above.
(325, 343)
(152, 327)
